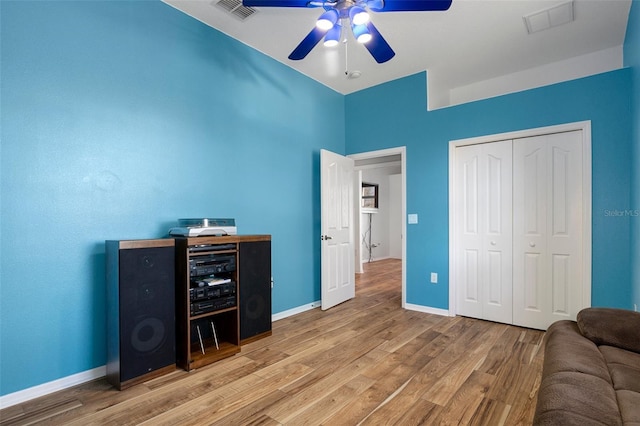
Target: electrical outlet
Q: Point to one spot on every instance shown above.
(434, 278)
(635, 307)
(271, 282)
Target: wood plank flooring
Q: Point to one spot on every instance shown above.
(364, 362)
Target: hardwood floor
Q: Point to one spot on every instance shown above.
(366, 361)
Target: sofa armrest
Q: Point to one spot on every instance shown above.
(612, 327)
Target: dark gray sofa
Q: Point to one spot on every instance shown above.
(591, 373)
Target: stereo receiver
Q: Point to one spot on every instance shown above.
(205, 306)
(211, 292)
(212, 264)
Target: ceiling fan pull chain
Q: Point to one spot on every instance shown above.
(346, 58)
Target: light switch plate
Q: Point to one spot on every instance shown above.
(412, 218)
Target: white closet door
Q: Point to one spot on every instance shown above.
(483, 221)
(547, 228)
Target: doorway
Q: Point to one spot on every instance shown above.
(389, 165)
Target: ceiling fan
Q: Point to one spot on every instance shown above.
(353, 13)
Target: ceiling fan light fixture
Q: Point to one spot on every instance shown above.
(361, 33)
(358, 15)
(327, 20)
(333, 36)
(375, 5)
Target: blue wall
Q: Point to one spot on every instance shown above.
(117, 119)
(395, 115)
(632, 59)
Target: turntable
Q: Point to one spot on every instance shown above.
(204, 227)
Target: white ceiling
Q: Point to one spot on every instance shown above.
(475, 40)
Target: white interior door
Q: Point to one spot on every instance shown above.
(337, 254)
(548, 229)
(483, 230)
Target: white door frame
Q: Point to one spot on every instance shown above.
(357, 218)
(585, 126)
(402, 151)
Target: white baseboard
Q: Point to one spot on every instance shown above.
(53, 386)
(295, 311)
(428, 310)
(375, 259)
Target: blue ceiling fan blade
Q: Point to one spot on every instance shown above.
(378, 46)
(275, 3)
(408, 5)
(307, 44)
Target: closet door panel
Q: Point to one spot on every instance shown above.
(495, 282)
(561, 283)
(483, 231)
(566, 225)
(530, 275)
(531, 286)
(547, 228)
(471, 277)
(497, 226)
(468, 238)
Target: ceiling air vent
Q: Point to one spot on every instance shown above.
(549, 18)
(236, 8)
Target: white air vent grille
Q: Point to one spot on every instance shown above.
(549, 18)
(235, 8)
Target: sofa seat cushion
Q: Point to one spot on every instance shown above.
(625, 374)
(629, 403)
(572, 398)
(624, 367)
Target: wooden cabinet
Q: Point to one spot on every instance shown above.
(208, 293)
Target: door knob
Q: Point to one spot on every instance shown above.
(326, 237)
(532, 244)
(493, 243)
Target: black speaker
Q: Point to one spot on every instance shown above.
(254, 269)
(141, 337)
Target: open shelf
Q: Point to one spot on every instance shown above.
(208, 314)
(212, 354)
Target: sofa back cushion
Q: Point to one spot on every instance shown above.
(612, 327)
